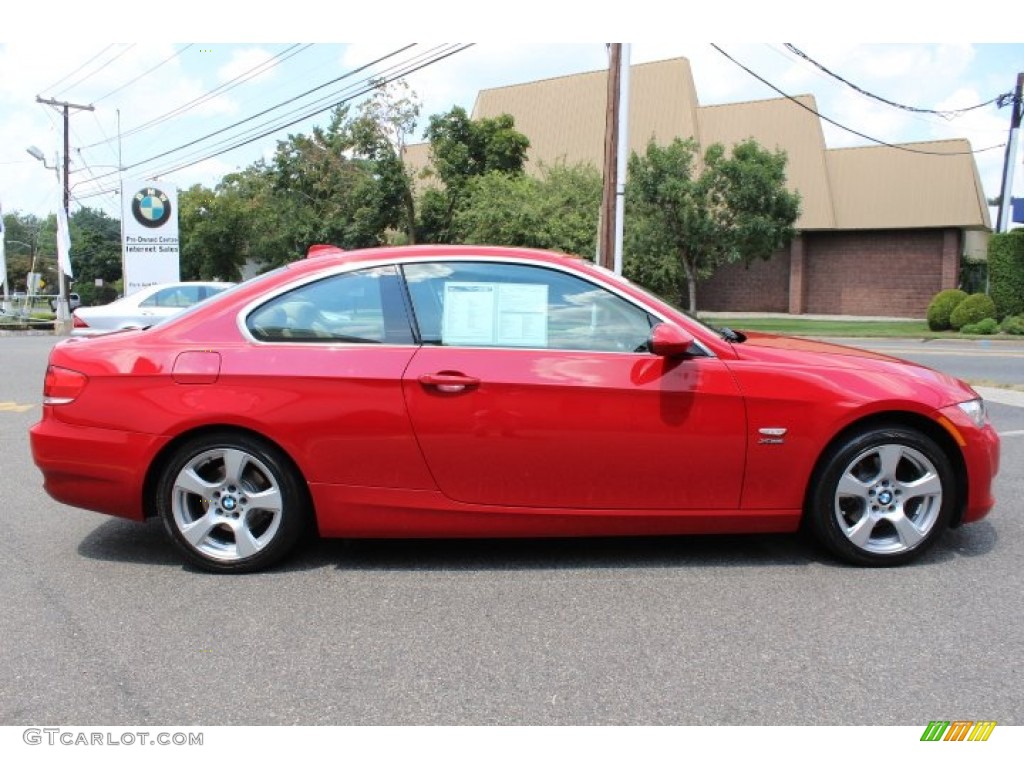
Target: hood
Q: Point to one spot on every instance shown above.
(820, 355)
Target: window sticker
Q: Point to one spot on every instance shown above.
(495, 314)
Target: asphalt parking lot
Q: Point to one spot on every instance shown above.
(104, 625)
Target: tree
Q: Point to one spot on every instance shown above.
(330, 196)
(22, 235)
(95, 251)
(682, 225)
(214, 233)
(95, 254)
(379, 134)
(557, 211)
(461, 150)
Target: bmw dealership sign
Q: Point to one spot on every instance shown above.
(150, 248)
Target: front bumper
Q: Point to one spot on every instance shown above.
(980, 449)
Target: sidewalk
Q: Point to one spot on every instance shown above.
(1002, 396)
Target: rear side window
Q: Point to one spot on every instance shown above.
(179, 296)
(362, 307)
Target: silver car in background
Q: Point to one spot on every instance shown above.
(143, 308)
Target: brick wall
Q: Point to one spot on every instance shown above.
(763, 287)
(892, 273)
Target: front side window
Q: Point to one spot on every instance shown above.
(364, 306)
(478, 304)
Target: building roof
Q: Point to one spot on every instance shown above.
(874, 187)
(780, 124)
(887, 187)
(564, 117)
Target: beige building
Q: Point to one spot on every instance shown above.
(882, 229)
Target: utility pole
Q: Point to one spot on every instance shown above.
(606, 241)
(622, 140)
(1016, 108)
(63, 313)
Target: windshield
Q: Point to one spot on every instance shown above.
(726, 333)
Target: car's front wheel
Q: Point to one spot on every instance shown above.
(882, 497)
(231, 502)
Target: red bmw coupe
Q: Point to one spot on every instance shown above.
(493, 392)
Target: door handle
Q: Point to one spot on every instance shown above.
(447, 381)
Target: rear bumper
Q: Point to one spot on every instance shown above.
(99, 469)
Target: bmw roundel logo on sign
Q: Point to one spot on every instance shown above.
(151, 208)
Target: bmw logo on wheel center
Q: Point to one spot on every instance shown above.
(151, 207)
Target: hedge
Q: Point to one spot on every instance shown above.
(973, 309)
(1013, 324)
(942, 306)
(984, 327)
(1006, 272)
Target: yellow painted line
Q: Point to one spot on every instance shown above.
(9, 406)
(990, 352)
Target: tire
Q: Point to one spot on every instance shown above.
(231, 503)
(882, 497)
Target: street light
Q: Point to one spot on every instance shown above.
(62, 324)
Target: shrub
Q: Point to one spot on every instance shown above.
(1013, 324)
(942, 306)
(984, 327)
(1006, 272)
(973, 309)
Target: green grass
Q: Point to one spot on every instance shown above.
(796, 326)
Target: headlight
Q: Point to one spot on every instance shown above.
(975, 410)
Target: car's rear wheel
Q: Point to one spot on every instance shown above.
(231, 502)
(882, 497)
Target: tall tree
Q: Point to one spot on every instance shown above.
(380, 133)
(556, 211)
(331, 197)
(682, 224)
(214, 233)
(23, 236)
(95, 254)
(460, 150)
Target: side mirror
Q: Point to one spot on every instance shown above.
(668, 340)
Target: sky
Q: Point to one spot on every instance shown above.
(159, 105)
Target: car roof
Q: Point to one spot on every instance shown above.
(321, 256)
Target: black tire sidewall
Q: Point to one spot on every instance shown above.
(821, 516)
(294, 515)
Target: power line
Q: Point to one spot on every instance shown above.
(180, 109)
(105, 64)
(263, 112)
(222, 88)
(844, 127)
(371, 84)
(174, 55)
(948, 114)
(364, 85)
(78, 69)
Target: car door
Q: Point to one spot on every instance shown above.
(534, 387)
(325, 374)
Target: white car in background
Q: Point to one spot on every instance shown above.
(143, 308)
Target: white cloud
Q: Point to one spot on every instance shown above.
(257, 62)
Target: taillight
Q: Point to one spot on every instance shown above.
(62, 385)
(77, 322)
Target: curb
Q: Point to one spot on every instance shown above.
(1001, 396)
